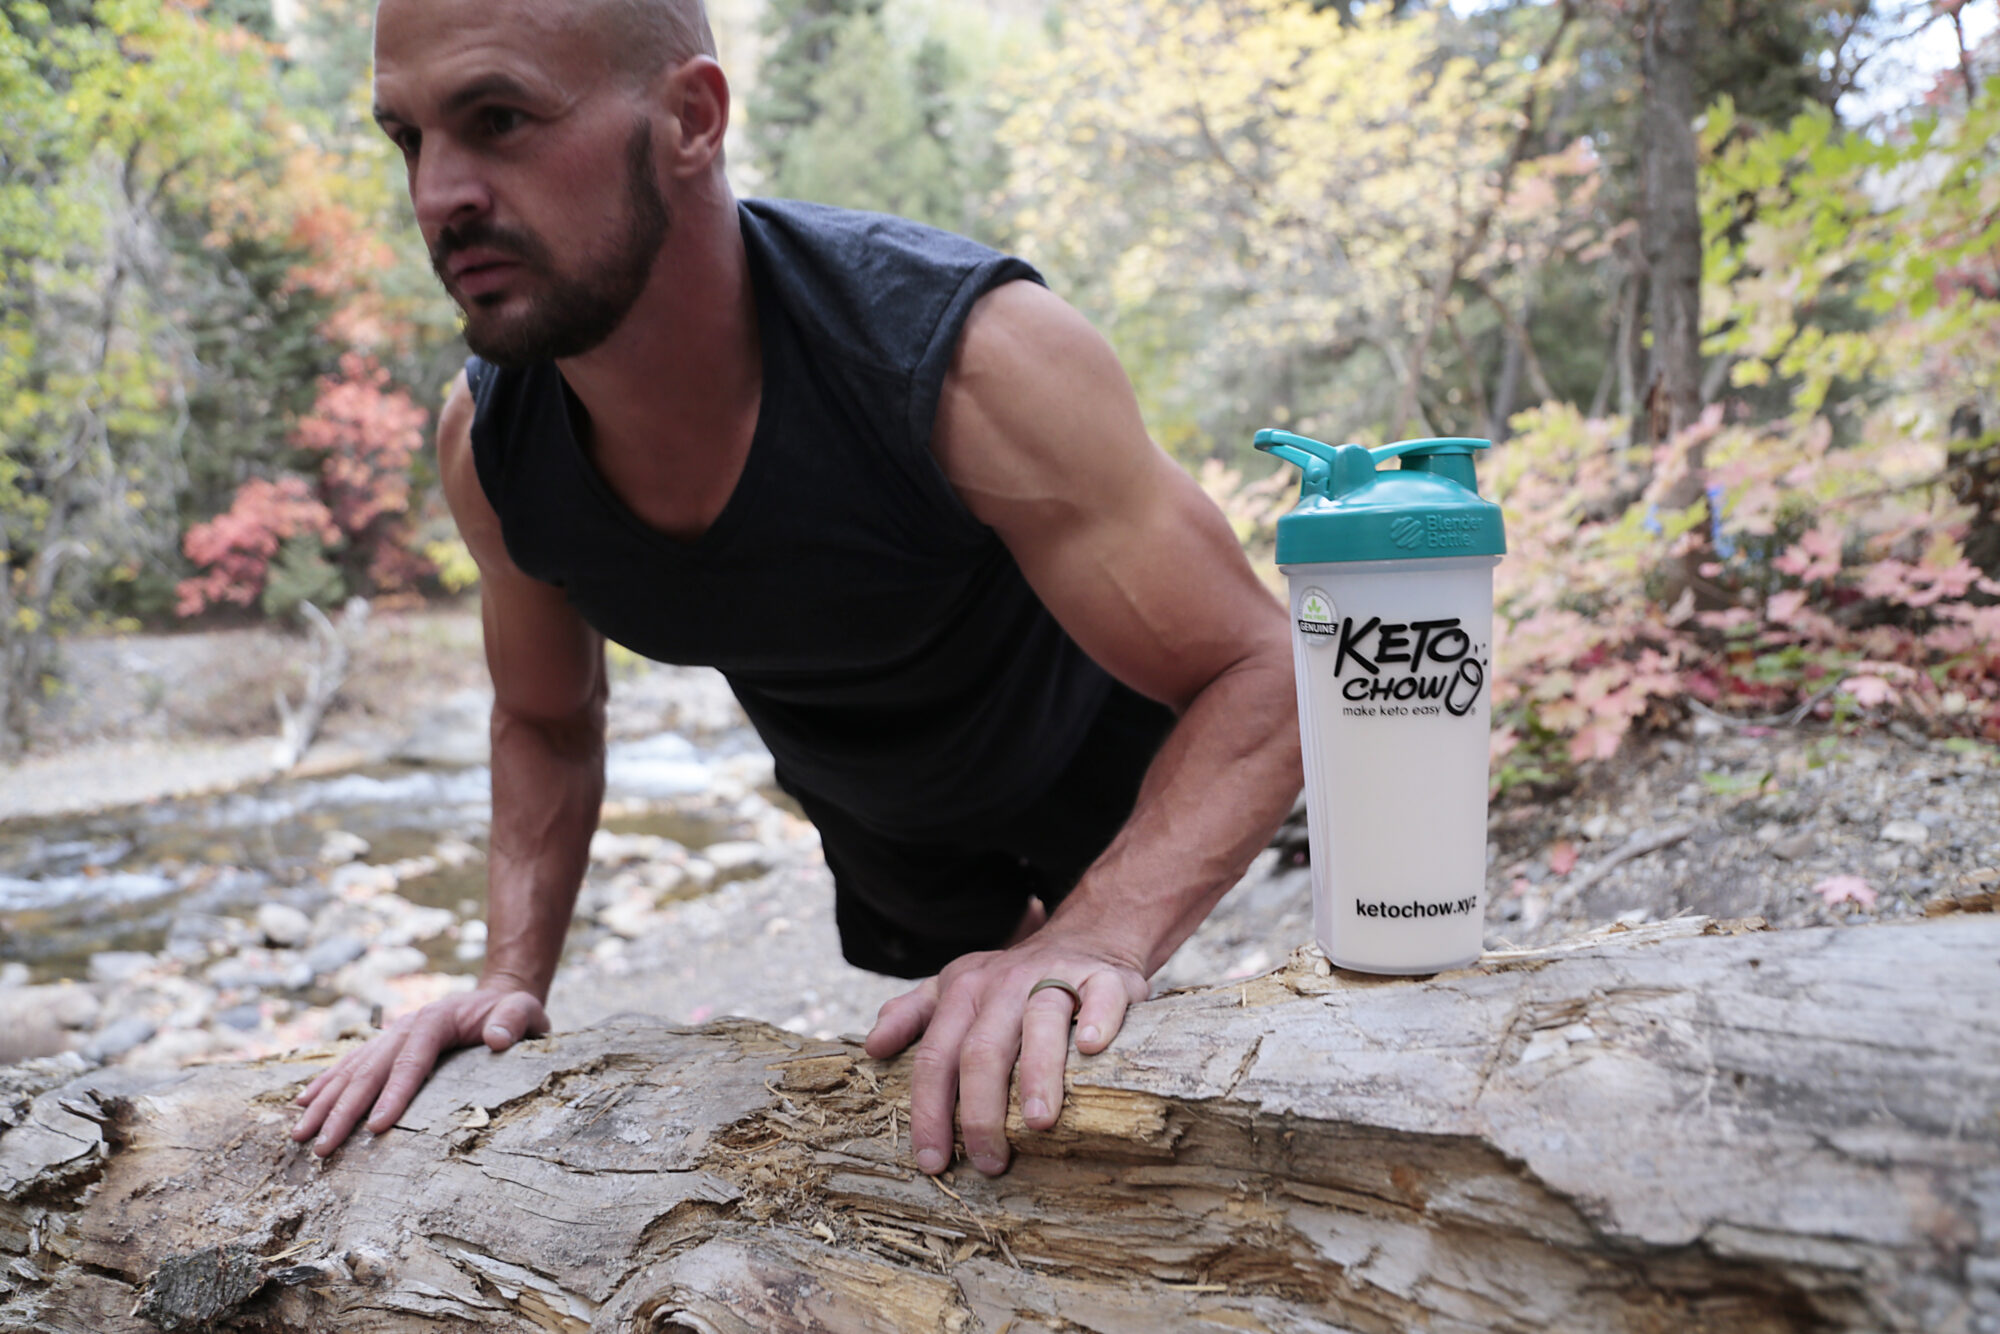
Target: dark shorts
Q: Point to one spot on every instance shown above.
(908, 908)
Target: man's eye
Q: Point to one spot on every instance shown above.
(407, 141)
(499, 120)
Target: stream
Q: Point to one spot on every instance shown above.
(170, 874)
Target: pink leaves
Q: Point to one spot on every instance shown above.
(366, 435)
(1846, 889)
(1869, 691)
(238, 545)
(1814, 557)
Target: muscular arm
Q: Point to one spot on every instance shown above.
(1040, 434)
(548, 784)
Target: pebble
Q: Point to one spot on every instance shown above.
(193, 936)
(247, 1016)
(1796, 847)
(613, 849)
(409, 922)
(283, 925)
(334, 953)
(262, 970)
(1906, 831)
(112, 967)
(360, 880)
(120, 1036)
(339, 847)
(365, 975)
(736, 855)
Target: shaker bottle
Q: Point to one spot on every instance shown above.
(1391, 576)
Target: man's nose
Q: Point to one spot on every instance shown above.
(446, 188)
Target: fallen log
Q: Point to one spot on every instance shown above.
(1694, 1127)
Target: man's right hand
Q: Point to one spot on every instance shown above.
(386, 1072)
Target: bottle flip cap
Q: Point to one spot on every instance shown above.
(1350, 511)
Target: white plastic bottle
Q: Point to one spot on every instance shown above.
(1391, 576)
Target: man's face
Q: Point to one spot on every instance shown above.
(530, 167)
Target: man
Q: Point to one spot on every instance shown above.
(894, 488)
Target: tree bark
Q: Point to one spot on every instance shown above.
(1670, 223)
(1689, 1127)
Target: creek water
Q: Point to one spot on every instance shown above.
(130, 879)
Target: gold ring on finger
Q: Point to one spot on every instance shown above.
(1059, 985)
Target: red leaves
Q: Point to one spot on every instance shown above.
(365, 434)
(237, 546)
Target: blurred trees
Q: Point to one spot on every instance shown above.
(880, 105)
(1767, 374)
(185, 253)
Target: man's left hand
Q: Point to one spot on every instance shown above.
(976, 1018)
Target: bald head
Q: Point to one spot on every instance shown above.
(648, 36)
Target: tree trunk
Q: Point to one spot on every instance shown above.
(1670, 222)
(1689, 1128)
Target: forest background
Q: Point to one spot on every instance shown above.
(1721, 279)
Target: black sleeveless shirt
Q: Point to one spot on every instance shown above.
(880, 638)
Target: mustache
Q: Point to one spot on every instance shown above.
(485, 235)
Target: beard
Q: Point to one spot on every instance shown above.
(575, 312)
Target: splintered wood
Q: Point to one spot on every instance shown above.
(1691, 1128)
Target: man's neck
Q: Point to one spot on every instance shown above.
(679, 382)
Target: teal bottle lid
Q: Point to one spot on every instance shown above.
(1349, 511)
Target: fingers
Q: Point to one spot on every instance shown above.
(934, 1078)
(986, 1070)
(1045, 1024)
(1106, 997)
(899, 1022)
(406, 1073)
(517, 1016)
(339, 1107)
(379, 1079)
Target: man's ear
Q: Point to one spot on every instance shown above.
(697, 96)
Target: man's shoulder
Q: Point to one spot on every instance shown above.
(870, 286)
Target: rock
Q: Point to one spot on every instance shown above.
(631, 917)
(173, 1049)
(736, 855)
(340, 847)
(283, 925)
(454, 735)
(364, 977)
(13, 975)
(29, 1025)
(113, 967)
(360, 880)
(616, 849)
(1796, 847)
(334, 953)
(262, 970)
(247, 1016)
(119, 1037)
(1912, 832)
(73, 1006)
(456, 852)
(409, 922)
(194, 936)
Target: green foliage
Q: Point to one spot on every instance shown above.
(887, 113)
(301, 573)
(1282, 210)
